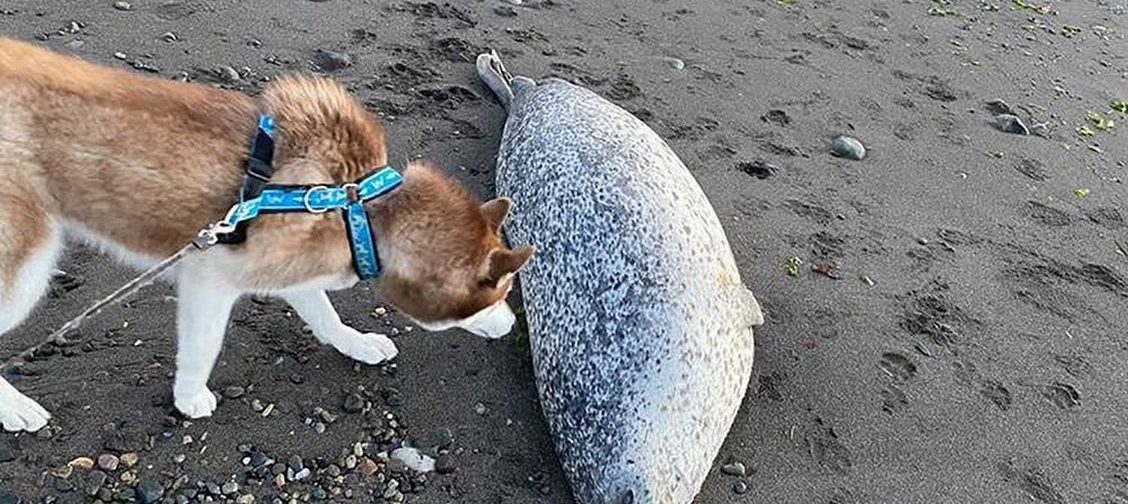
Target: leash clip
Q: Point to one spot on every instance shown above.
(209, 236)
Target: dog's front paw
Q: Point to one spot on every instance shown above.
(369, 348)
(198, 403)
(19, 412)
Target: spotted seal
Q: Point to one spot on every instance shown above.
(639, 324)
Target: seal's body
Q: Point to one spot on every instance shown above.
(640, 327)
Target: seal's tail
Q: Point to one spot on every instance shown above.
(498, 79)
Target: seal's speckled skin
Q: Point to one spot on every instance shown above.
(640, 327)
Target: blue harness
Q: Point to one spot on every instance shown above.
(259, 197)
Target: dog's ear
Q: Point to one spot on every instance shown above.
(495, 211)
(504, 262)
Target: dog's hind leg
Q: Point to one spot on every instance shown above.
(30, 241)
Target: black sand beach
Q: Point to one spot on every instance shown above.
(955, 332)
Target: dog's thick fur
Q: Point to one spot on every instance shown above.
(138, 165)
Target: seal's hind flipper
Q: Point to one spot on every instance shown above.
(755, 313)
(495, 76)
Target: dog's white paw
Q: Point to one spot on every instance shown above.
(195, 404)
(369, 348)
(19, 412)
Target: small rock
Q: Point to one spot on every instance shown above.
(256, 405)
(280, 480)
(234, 392)
(998, 107)
(776, 116)
(734, 469)
(149, 491)
(331, 61)
(7, 498)
(123, 6)
(505, 11)
(227, 74)
(480, 409)
(245, 499)
(229, 488)
(82, 463)
(350, 462)
(108, 462)
(120, 55)
(296, 463)
(413, 459)
(179, 458)
(63, 472)
(1008, 123)
(302, 474)
(94, 482)
(259, 459)
(214, 489)
(849, 148)
(444, 437)
(445, 464)
(319, 428)
(675, 63)
(740, 488)
(368, 467)
(169, 37)
(353, 403)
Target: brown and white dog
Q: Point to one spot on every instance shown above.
(138, 165)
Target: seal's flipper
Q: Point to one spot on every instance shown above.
(755, 313)
(495, 76)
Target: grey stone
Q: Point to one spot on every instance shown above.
(1008, 123)
(849, 148)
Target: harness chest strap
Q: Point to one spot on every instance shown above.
(259, 197)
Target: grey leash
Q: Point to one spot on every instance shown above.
(205, 239)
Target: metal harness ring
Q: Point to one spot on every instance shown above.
(305, 200)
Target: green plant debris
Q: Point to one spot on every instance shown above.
(1101, 122)
(1070, 31)
(1085, 131)
(1119, 106)
(793, 264)
(786, 2)
(1081, 192)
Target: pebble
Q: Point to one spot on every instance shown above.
(319, 494)
(445, 464)
(302, 474)
(331, 61)
(740, 488)
(368, 467)
(179, 458)
(120, 55)
(229, 488)
(227, 74)
(445, 437)
(998, 106)
(350, 462)
(234, 391)
(353, 403)
(95, 481)
(734, 469)
(256, 405)
(1011, 124)
(675, 63)
(123, 6)
(319, 428)
(7, 498)
(108, 462)
(414, 460)
(849, 148)
(170, 37)
(82, 463)
(149, 491)
(480, 409)
(280, 481)
(296, 463)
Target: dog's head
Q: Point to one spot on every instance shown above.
(443, 261)
(445, 265)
